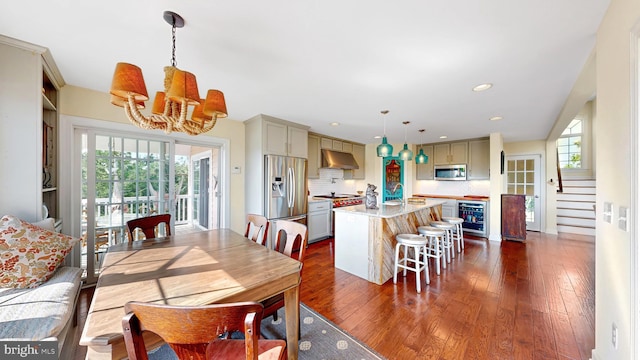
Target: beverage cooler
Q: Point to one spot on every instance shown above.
(475, 216)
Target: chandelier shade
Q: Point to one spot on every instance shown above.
(422, 158)
(405, 154)
(384, 149)
(214, 104)
(128, 80)
(184, 87)
(171, 106)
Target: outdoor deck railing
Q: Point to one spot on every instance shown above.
(141, 206)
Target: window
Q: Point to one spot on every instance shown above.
(570, 146)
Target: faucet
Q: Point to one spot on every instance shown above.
(395, 188)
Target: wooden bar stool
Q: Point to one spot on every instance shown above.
(458, 236)
(435, 242)
(418, 244)
(448, 238)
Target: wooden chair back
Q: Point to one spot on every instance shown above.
(149, 225)
(200, 332)
(257, 228)
(291, 239)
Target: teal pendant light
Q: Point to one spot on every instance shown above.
(384, 149)
(405, 154)
(422, 158)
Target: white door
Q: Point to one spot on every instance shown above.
(204, 184)
(523, 178)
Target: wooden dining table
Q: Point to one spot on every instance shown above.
(215, 266)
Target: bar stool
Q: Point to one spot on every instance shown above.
(448, 238)
(458, 235)
(419, 246)
(435, 241)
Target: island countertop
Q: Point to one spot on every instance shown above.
(388, 211)
(364, 239)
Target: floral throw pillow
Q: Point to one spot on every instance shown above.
(29, 255)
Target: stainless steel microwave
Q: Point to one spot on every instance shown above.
(450, 172)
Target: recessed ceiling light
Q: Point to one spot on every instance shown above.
(335, 123)
(496, 118)
(483, 87)
(443, 136)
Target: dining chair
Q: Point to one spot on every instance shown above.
(219, 331)
(256, 225)
(291, 240)
(149, 225)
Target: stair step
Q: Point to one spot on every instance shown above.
(574, 212)
(577, 230)
(576, 221)
(578, 182)
(576, 197)
(579, 190)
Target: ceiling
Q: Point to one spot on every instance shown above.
(317, 62)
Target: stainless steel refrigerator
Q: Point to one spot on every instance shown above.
(285, 188)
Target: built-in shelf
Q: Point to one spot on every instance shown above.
(47, 104)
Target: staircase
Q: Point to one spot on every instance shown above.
(576, 207)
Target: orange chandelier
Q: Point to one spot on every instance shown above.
(170, 108)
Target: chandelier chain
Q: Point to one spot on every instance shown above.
(173, 47)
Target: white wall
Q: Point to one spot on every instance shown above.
(615, 261)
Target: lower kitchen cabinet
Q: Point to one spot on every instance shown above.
(319, 220)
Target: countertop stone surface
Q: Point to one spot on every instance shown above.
(388, 211)
(456, 197)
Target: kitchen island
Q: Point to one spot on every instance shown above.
(365, 238)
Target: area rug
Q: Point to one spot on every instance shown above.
(320, 339)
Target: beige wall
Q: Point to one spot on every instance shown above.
(90, 104)
(616, 282)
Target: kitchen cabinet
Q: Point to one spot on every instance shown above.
(348, 148)
(29, 131)
(449, 207)
(425, 171)
(514, 221)
(450, 153)
(358, 152)
(284, 139)
(479, 160)
(319, 220)
(313, 159)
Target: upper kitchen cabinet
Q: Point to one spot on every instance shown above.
(313, 160)
(28, 130)
(285, 139)
(276, 136)
(450, 153)
(478, 166)
(425, 171)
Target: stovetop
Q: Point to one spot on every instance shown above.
(338, 196)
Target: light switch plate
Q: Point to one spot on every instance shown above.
(623, 217)
(607, 212)
(236, 170)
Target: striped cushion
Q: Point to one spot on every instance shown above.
(42, 312)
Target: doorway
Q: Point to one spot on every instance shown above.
(523, 178)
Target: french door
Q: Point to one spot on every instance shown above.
(523, 178)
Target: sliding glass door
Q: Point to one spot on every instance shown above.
(123, 178)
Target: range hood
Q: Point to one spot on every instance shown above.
(333, 159)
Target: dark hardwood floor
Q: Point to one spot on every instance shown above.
(508, 300)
